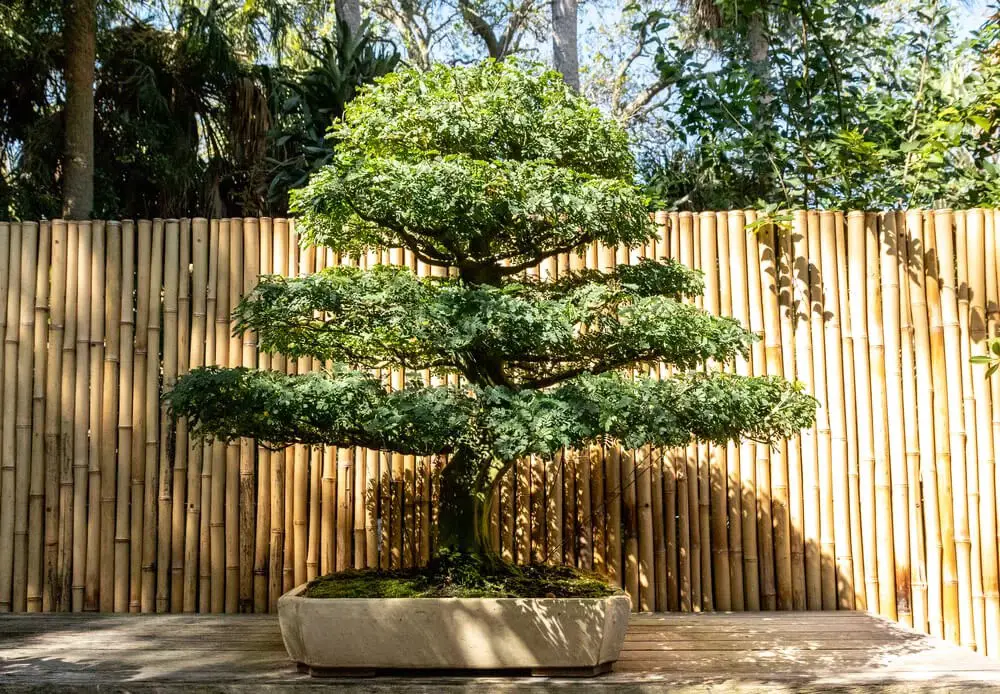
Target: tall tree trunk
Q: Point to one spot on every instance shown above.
(81, 54)
(349, 11)
(463, 509)
(565, 58)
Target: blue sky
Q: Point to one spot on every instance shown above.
(973, 15)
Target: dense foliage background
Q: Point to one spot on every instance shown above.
(221, 107)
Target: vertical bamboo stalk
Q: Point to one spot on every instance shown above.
(247, 481)
(687, 252)
(217, 521)
(830, 291)
(238, 582)
(968, 431)
(880, 435)
(944, 246)
(126, 333)
(950, 576)
(276, 548)
(824, 443)
(109, 413)
(196, 449)
(981, 406)
(758, 496)
(81, 412)
(917, 268)
(182, 458)
(794, 346)
(11, 286)
(345, 481)
(167, 447)
(36, 491)
(743, 482)
(138, 462)
(263, 531)
(912, 448)
(717, 590)
(571, 512)
(554, 508)
(644, 528)
(889, 261)
(54, 412)
(96, 321)
(778, 482)
(63, 581)
(857, 298)
(206, 549)
(23, 406)
(316, 466)
(733, 489)
(853, 455)
(151, 547)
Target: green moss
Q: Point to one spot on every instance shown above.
(460, 576)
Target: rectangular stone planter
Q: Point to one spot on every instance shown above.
(544, 636)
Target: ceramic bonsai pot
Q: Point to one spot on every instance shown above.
(543, 636)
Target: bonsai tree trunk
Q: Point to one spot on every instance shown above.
(463, 511)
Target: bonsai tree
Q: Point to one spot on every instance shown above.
(486, 170)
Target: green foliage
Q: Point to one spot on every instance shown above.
(463, 576)
(498, 423)
(851, 106)
(539, 333)
(472, 166)
(487, 170)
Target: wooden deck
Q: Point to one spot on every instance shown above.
(769, 652)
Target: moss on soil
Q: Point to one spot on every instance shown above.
(462, 577)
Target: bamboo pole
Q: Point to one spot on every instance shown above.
(238, 581)
(758, 496)
(247, 482)
(179, 508)
(644, 528)
(717, 490)
(196, 448)
(10, 279)
(742, 479)
(981, 405)
(263, 531)
(889, 261)
(96, 322)
(167, 448)
(567, 550)
(23, 404)
(853, 454)
(828, 307)
(63, 577)
(217, 520)
(276, 549)
(950, 576)
(918, 565)
(805, 484)
(778, 480)
(917, 273)
(731, 476)
(316, 466)
(689, 508)
(36, 491)
(944, 245)
(824, 436)
(81, 411)
(149, 600)
(884, 532)
(54, 412)
(138, 462)
(109, 413)
(857, 299)
(206, 529)
(991, 223)
(554, 508)
(788, 291)
(968, 431)
(300, 473)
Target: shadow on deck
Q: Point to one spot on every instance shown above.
(745, 652)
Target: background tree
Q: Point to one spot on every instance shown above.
(81, 54)
(487, 170)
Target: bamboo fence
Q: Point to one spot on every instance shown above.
(888, 504)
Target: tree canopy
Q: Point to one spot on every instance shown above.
(485, 169)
